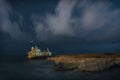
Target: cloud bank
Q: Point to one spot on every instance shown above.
(8, 26)
(74, 18)
(57, 24)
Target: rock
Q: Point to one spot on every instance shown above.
(86, 62)
(96, 64)
(117, 61)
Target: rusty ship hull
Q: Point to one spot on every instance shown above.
(39, 57)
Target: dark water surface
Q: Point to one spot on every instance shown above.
(25, 69)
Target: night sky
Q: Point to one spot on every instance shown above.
(63, 26)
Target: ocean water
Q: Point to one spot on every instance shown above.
(24, 69)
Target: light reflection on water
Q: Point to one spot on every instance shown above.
(43, 70)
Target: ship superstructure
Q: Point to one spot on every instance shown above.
(36, 52)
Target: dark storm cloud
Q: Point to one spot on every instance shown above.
(7, 26)
(79, 19)
(96, 20)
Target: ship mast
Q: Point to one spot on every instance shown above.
(48, 50)
(32, 44)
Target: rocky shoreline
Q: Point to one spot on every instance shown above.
(86, 62)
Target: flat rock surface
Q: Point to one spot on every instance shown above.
(86, 62)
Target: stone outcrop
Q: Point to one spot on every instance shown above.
(86, 62)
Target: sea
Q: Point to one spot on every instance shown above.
(19, 68)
